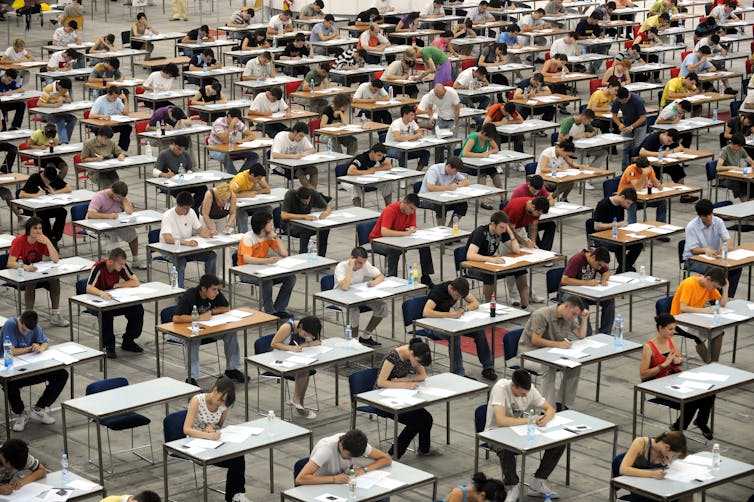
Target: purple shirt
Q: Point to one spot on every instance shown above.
(579, 268)
(161, 114)
(103, 203)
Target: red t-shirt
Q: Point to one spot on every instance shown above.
(522, 190)
(29, 253)
(104, 280)
(516, 211)
(392, 218)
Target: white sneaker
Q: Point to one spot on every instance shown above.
(19, 422)
(538, 488)
(140, 263)
(58, 320)
(307, 413)
(588, 186)
(42, 415)
(240, 497)
(535, 299)
(519, 167)
(513, 492)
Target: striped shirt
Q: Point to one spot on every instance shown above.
(102, 279)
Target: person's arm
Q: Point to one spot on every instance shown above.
(471, 303)
(429, 311)
(627, 464)
(503, 420)
(38, 473)
(188, 424)
(380, 460)
(407, 382)
(205, 209)
(539, 341)
(566, 280)
(66, 189)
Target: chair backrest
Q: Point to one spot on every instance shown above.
(722, 203)
(106, 384)
(684, 54)
(362, 381)
(81, 286)
(341, 169)
(141, 126)
(651, 119)
(300, 463)
(166, 314)
(4, 261)
(616, 464)
(681, 246)
(609, 63)
(530, 168)
(153, 236)
(554, 138)
(327, 282)
(363, 230)
(172, 426)
(125, 38)
(610, 186)
(234, 258)
(78, 212)
(292, 87)
(412, 309)
(662, 306)
(674, 72)
(459, 256)
(736, 105)
(480, 417)
(263, 344)
(711, 168)
(503, 203)
(552, 278)
(277, 217)
(594, 84)
(467, 63)
(589, 227)
(314, 124)
(510, 343)
(417, 186)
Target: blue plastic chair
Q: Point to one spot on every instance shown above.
(78, 213)
(589, 228)
(364, 381)
(262, 345)
(530, 168)
(552, 279)
(610, 186)
(125, 421)
(480, 419)
(172, 429)
(362, 237)
(300, 463)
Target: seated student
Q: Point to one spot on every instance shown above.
(209, 301)
(369, 92)
(106, 275)
(219, 209)
(17, 53)
(374, 40)
(47, 182)
(161, 81)
(313, 10)
(370, 162)
(197, 35)
(556, 158)
(173, 159)
(324, 31)
(660, 358)
(205, 419)
(334, 456)
(482, 489)
(259, 68)
(672, 113)
(334, 115)
(405, 128)
(280, 24)
(354, 271)
(202, 61)
(169, 117)
(601, 102)
(209, 93)
(639, 176)
(298, 205)
(265, 104)
(442, 297)
(55, 95)
(145, 496)
(612, 208)
(262, 246)
(502, 114)
(482, 144)
(99, 148)
(65, 60)
(667, 142)
(295, 50)
(508, 406)
(578, 126)
(19, 468)
(139, 28)
(442, 177)
(620, 71)
(108, 204)
(291, 337)
(9, 85)
(114, 102)
(733, 156)
(105, 43)
(246, 184)
(693, 295)
(471, 78)
(230, 130)
(295, 144)
(251, 40)
(26, 336)
(351, 59)
(178, 225)
(532, 87)
(581, 270)
(488, 243)
(403, 368)
(367, 16)
(649, 457)
(104, 71)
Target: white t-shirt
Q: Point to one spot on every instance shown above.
(381, 4)
(357, 276)
(157, 82)
(515, 407)
(445, 107)
(559, 46)
(547, 156)
(262, 104)
(179, 226)
(12, 55)
(364, 91)
(56, 60)
(466, 77)
(719, 13)
(327, 456)
(278, 24)
(400, 127)
(283, 143)
(394, 69)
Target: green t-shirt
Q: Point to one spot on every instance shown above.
(566, 128)
(731, 158)
(312, 75)
(479, 147)
(436, 55)
(38, 138)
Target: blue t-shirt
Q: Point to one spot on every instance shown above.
(693, 59)
(507, 38)
(18, 340)
(632, 109)
(9, 87)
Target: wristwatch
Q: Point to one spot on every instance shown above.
(366, 469)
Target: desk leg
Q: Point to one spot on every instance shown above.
(272, 472)
(636, 397)
(568, 464)
(476, 453)
(204, 476)
(7, 415)
(149, 264)
(395, 436)
(246, 388)
(651, 255)
(630, 312)
(336, 384)
(735, 343)
(282, 398)
(522, 487)
(599, 378)
(99, 452)
(165, 471)
(70, 318)
(447, 422)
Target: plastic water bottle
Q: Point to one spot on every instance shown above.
(716, 456)
(160, 128)
(659, 156)
(349, 333)
(493, 305)
(204, 67)
(8, 354)
(416, 273)
(174, 277)
(64, 474)
(455, 223)
(487, 32)
(181, 171)
(351, 485)
(390, 92)
(329, 146)
(548, 497)
(311, 85)
(563, 72)
(642, 273)
(531, 427)
(148, 150)
(618, 330)
(453, 10)
(311, 251)
(714, 114)
(21, 271)
(199, 40)
(271, 422)
(716, 313)
(724, 254)
(615, 228)
(410, 275)
(274, 42)
(177, 243)
(194, 320)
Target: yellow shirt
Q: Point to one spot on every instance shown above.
(244, 182)
(50, 91)
(651, 22)
(673, 85)
(600, 100)
(116, 498)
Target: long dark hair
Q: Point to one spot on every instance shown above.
(421, 351)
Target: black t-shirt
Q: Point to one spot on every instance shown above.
(203, 92)
(251, 40)
(440, 295)
(291, 204)
(586, 30)
(363, 162)
(606, 211)
(193, 34)
(34, 184)
(295, 52)
(488, 244)
(364, 16)
(191, 297)
(653, 143)
(199, 61)
(330, 114)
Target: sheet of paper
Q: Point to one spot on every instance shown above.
(371, 293)
(301, 360)
(27, 492)
(637, 227)
(368, 480)
(586, 343)
(390, 483)
(401, 393)
(71, 349)
(271, 270)
(289, 262)
(575, 353)
(558, 434)
(740, 254)
(472, 316)
(240, 314)
(206, 444)
(521, 430)
(735, 317)
(82, 484)
(697, 459)
(401, 402)
(568, 363)
(436, 391)
(703, 376)
(621, 279)
(686, 472)
(61, 357)
(236, 434)
(388, 284)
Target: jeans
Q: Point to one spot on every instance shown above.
(662, 211)
(18, 116)
(11, 151)
(549, 461)
(284, 295)
(66, 124)
(208, 257)
(230, 346)
(548, 234)
(632, 254)
(403, 157)
(454, 345)
(56, 381)
(250, 158)
(637, 136)
(416, 422)
(304, 234)
(393, 254)
(134, 324)
(734, 275)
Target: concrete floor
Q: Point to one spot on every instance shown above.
(591, 457)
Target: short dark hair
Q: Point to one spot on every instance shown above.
(184, 199)
(567, 145)
(538, 77)
(454, 162)
(595, 15)
(105, 131)
(499, 217)
(421, 351)
(147, 496)
(259, 220)
(629, 194)
(29, 318)
(540, 11)
(15, 452)
(276, 92)
(114, 62)
(406, 109)
(522, 379)
(354, 441)
(171, 69)
(614, 83)
(113, 89)
(693, 77)
(738, 139)
(10, 72)
(409, 198)
(203, 28)
(536, 181)
(611, 5)
(674, 134)
(685, 105)
(704, 207)
(601, 254)
(119, 188)
(575, 301)
(116, 253)
(642, 161)
(715, 274)
(50, 171)
(329, 17)
(73, 24)
(72, 53)
(300, 127)
(705, 50)
(312, 325)
(378, 148)
(509, 107)
(588, 113)
(541, 204)
(234, 113)
(111, 38)
(227, 389)
(208, 280)
(304, 193)
(375, 82)
(623, 93)
(489, 130)
(208, 52)
(461, 285)
(31, 223)
(181, 141)
(176, 113)
(65, 83)
(257, 170)
(663, 320)
(359, 252)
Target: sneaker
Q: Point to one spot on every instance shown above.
(58, 320)
(192, 381)
(520, 167)
(369, 342)
(42, 415)
(307, 413)
(664, 238)
(131, 346)
(140, 263)
(19, 421)
(433, 452)
(236, 376)
(489, 374)
(535, 299)
(588, 186)
(528, 308)
(240, 497)
(538, 488)
(110, 351)
(512, 493)
(706, 431)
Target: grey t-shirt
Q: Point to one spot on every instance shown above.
(168, 160)
(546, 323)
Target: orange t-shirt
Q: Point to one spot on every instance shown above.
(633, 172)
(253, 245)
(692, 294)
